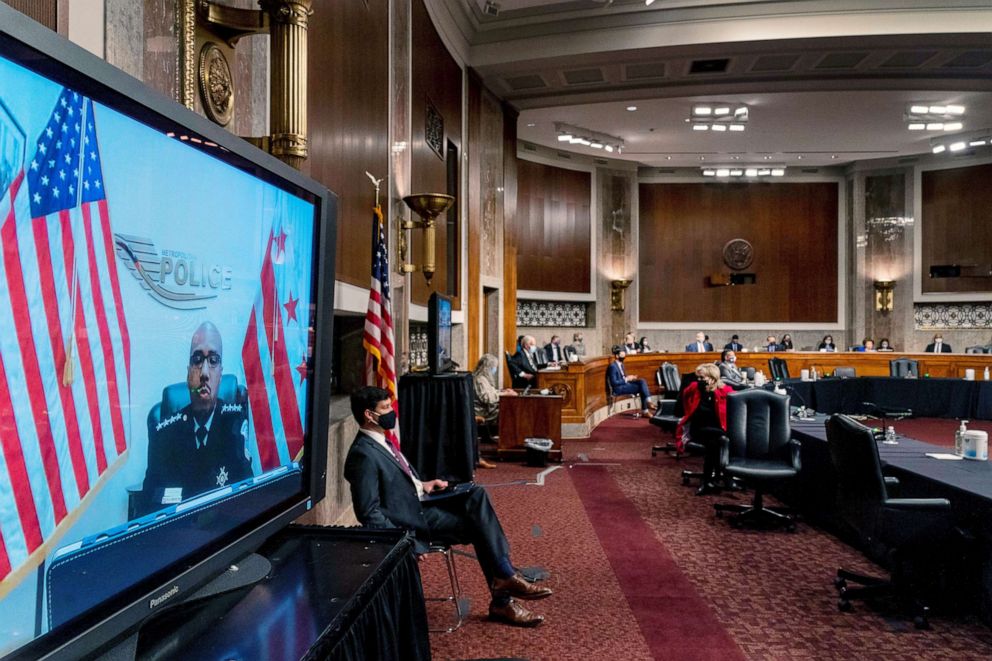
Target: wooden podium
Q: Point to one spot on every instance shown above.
(529, 416)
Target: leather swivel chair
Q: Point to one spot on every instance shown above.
(975, 349)
(759, 451)
(666, 417)
(779, 369)
(903, 367)
(845, 372)
(907, 535)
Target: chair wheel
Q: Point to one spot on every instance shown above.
(921, 622)
(843, 605)
(654, 453)
(840, 583)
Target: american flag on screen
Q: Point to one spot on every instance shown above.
(380, 364)
(275, 352)
(65, 355)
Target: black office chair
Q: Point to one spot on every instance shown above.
(779, 369)
(903, 367)
(976, 349)
(845, 372)
(665, 417)
(758, 450)
(907, 535)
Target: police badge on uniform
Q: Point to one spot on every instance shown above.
(222, 476)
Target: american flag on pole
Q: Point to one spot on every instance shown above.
(275, 350)
(380, 364)
(65, 355)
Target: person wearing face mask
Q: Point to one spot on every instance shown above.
(577, 346)
(487, 394)
(553, 350)
(938, 345)
(827, 344)
(621, 383)
(630, 345)
(729, 372)
(705, 420)
(885, 345)
(387, 492)
(786, 344)
(524, 364)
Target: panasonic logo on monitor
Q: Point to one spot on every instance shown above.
(164, 597)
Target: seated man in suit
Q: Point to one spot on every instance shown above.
(622, 384)
(938, 345)
(630, 344)
(524, 364)
(700, 345)
(553, 351)
(734, 344)
(771, 344)
(388, 493)
(729, 372)
(203, 446)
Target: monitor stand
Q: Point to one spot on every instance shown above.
(249, 570)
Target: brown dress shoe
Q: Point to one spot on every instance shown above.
(517, 586)
(485, 464)
(514, 613)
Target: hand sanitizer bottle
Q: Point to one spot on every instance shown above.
(959, 438)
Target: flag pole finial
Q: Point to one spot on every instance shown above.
(376, 183)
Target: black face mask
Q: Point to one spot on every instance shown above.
(387, 420)
(620, 359)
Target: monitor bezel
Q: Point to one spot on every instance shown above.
(433, 327)
(35, 47)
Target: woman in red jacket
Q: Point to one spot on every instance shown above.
(705, 419)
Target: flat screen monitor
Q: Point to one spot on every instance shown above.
(165, 319)
(439, 333)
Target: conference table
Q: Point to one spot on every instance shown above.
(582, 385)
(966, 484)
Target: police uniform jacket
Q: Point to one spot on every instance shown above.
(175, 461)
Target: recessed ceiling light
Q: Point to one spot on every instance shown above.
(631, 108)
(953, 126)
(532, 124)
(955, 110)
(938, 149)
(958, 146)
(736, 127)
(916, 126)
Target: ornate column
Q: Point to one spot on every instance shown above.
(288, 21)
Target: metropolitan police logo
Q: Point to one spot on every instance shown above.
(174, 278)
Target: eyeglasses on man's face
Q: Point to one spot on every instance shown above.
(198, 358)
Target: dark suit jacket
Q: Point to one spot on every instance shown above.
(175, 461)
(944, 348)
(549, 353)
(518, 365)
(733, 346)
(381, 491)
(693, 347)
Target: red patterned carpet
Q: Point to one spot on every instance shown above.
(642, 569)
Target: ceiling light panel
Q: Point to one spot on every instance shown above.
(718, 116)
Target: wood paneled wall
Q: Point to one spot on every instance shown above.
(437, 79)
(792, 227)
(510, 192)
(43, 11)
(553, 228)
(957, 225)
(348, 106)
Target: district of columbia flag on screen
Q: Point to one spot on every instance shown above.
(65, 355)
(380, 364)
(275, 352)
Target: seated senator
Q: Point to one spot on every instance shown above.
(885, 345)
(524, 364)
(487, 396)
(204, 445)
(700, 345)
(729, 372)
(388, 493)
(643, 345)
(630, 345)
(771, 344)
(938, 345)
(623, 384)
(705, 420)
(734, 344)
(786, 343)
(577, 346)
(867, 344)
(827, 344)
(554, 352)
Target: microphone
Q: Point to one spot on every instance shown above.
(526, 390)
(803, 413)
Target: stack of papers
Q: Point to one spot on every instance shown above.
(946, 456)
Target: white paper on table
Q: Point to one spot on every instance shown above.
(944, 456)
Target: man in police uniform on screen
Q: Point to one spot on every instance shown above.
(204, 445)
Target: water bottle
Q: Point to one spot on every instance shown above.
(890, 436)
(986, 374)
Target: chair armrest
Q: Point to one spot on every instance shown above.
(918, 504)
(795, 447)
(724, 451)
(891, 484)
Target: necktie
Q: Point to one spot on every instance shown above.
(530, 359)
(400, 458)
(201, 437)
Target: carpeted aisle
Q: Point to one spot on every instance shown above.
(643, 569)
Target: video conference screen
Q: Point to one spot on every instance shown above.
(155, 344)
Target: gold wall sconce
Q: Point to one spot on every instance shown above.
(617, 294)
(883, 295)
(428, 206)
